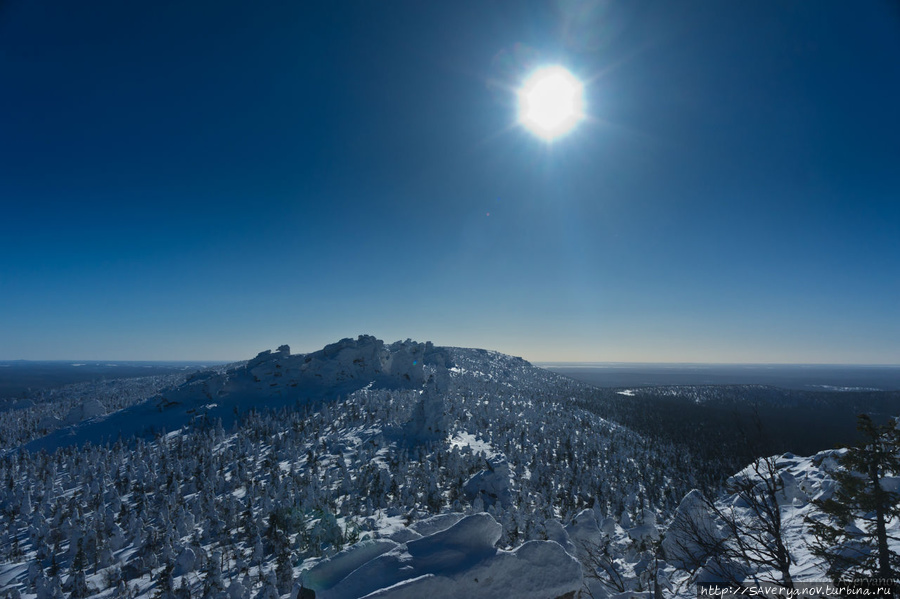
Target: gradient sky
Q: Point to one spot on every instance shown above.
(205, 180)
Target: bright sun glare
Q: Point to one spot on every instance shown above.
(551, 102)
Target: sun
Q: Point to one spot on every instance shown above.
(551, 102)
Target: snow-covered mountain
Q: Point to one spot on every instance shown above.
(271, 380)
(363, 469)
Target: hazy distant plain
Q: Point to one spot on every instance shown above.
(815, 377)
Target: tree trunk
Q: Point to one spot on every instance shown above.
(884, 554)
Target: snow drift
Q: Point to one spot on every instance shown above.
(460, 561)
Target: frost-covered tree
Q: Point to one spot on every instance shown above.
(184, 590)
(284, 570)
(213, 584)
(269, 589)
(166, 584)
(851, 529)
(77, 582)
(740, 538)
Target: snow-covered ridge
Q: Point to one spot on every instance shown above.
(348, 363)
(278, 379)
(271, 380)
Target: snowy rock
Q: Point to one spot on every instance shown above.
(536, 569)
(459, 561)
(692, 519)
(261, 357)
(492, 483)
(787, 466)
(584, 530)
(404, 535)
(646, 531)
(348, 364)
(609, 526)
(556, 533)
(337, 568)
(435, 524)
(792, 493)
(469, 539)
(828, 460)
(87, 410)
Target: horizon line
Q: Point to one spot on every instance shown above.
(612, 363)
(576, 363)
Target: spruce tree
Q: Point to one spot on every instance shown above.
(213, 584)
(77, 580)
(847, 549)
(166, 585)
(183, 591)
(284, 569)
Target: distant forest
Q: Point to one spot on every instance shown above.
(728, 426)
(23, 379)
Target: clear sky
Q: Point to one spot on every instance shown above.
(205, 180)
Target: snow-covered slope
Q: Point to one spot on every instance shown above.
(274, 465)
(271, 380)
(23, 420)
(362, 469)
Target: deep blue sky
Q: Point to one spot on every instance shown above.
(204, 180)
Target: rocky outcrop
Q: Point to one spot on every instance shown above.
(459, 561)
(492, 484)
(348, 363)
(85, 411)
(271, 380)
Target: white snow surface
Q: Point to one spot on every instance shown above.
(460, 561)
